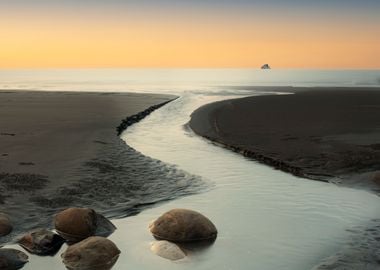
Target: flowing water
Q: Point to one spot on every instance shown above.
(266, 219)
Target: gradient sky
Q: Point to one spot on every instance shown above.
(190, 33)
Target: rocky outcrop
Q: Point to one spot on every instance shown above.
(130, 120)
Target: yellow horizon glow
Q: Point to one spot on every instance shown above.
(75, 42)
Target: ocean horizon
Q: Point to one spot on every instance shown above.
(177, 80)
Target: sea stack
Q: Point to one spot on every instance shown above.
(265, 66)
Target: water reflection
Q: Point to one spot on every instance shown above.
(261, 213)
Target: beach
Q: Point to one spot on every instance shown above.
(326, 134)
(260, 213)
(61, 149)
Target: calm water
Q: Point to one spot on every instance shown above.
(266, 219)
(179, 80)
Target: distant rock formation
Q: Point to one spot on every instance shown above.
(265, 66)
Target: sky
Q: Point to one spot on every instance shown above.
(190, 33)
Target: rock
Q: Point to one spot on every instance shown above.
(265, 66)
(376, 178)
(167, 250)
(92, 253)
(182, 225)
(11, 259)
(104, 226)
(76, 224)
(5, 225)
(41, 242)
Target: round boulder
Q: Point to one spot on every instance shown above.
(182, 225)
(76, 224)
(12, 259)
(92, 253)
(5, 225)
(41, 242)
(376, 177)
(167, 250)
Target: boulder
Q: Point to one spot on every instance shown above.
(11, 259)
(376, 177)
(182, 225)
(92, 253)
(41, 242)
(76, 224)
(5, 225)
(167, 250)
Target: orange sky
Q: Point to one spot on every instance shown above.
(35, 40)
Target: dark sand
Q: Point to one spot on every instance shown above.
(60, 149)
(324, 134)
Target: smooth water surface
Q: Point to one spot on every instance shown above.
(177, 81)
(267, 219)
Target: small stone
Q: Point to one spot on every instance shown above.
(12, 259)
(167, 250)
(41, 242)
(182, 225)
(5, 225)
(92, 253)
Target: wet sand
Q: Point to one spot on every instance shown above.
(327, 134)
(61, 149)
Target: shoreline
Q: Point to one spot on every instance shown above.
(287, 133)
(61, 149)
(237, 240)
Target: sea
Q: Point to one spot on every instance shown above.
(267, 219)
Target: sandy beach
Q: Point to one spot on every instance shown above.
(61, 149)
(321, 133)
(260, 213)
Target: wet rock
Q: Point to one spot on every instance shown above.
(11, 259)
(76, 224)
(182, 225)
(5, 225)
(376, 178)
(137, 117)
(42, 242)
(104, 227)
(92, 253)
(167, 250)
